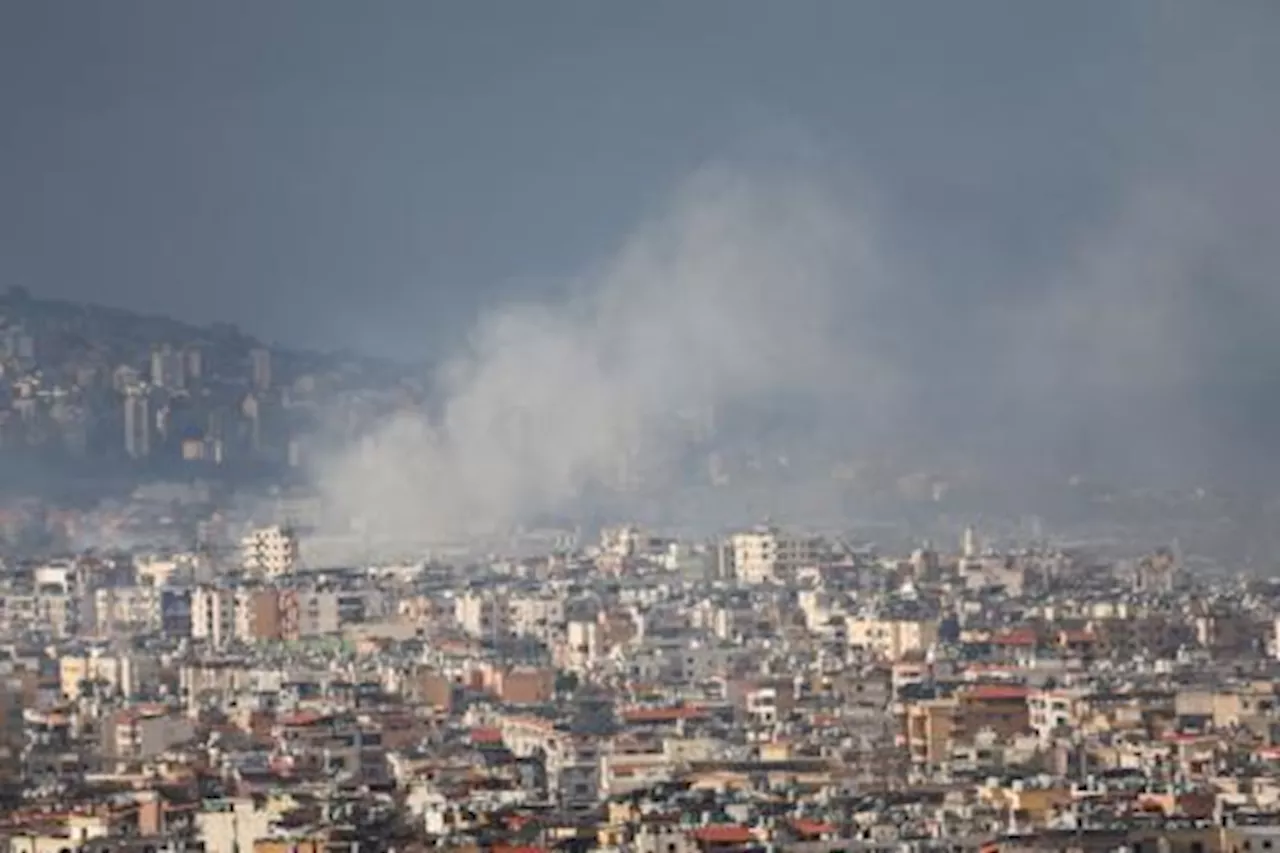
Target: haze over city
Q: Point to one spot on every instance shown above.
(989, 236)
(684, 426)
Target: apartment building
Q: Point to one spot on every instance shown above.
(769, 555)
(270, 552)
(145, 732)
(110, 674)
(934, 728)
(12, 732)
(126, 610)
(309, 613)
(542, 618)
(482, 615)
(213, 615)
(891, 639)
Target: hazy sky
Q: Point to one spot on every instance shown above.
(375, 173)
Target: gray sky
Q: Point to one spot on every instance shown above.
(376, 173)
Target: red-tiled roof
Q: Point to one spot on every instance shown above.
(301, 718)
(1014, 637)
(484, 734)
(812, 827)
(722, 834)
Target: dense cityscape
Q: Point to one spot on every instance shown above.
(731, 426)
(186, 671)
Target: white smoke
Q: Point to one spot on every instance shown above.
(1127, 355)
(735, 293)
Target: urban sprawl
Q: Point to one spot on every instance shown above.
(177, 676)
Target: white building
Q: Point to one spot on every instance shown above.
(1052, 711)
(213, 615)
(536, 616)
(630, 541)
(168, 368)
(269, 551)
(482, 615)
(768, 554)
(137, 425)
(582, 648)
(164, 569)
(228, 826)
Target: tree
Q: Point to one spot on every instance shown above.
(567, 683)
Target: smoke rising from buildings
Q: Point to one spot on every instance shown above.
(769, 297)
(736, 293)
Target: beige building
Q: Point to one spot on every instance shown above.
(115, 674)
(1054, 711)
(892, 639)
(1244, 705)
(228, 826)
(269, 551)
(162, 570)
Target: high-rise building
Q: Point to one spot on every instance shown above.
(252, 412)
(168, 368)
(12, 736)
(260, 368)
(213, 615)
(195, 363)
(137, 425)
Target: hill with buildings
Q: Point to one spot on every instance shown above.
(95, 397)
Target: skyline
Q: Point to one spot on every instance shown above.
(733, 426)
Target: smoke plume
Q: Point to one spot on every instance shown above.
(765, 303)
(737, 293)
